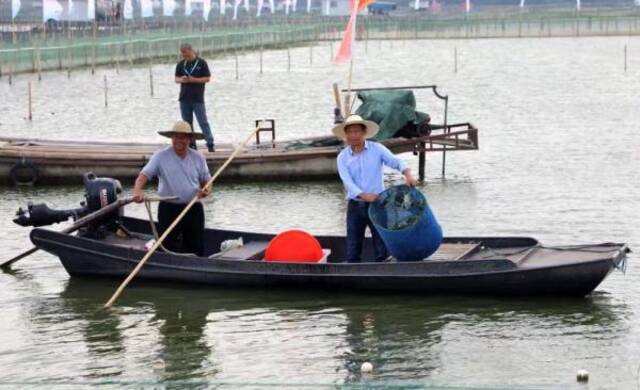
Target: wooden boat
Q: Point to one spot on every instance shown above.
(503, 266)
(38, 161)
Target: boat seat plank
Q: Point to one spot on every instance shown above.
(252, 250)
(454, 251)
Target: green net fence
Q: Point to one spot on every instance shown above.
(104, 45)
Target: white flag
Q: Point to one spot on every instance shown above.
(206, 8)
(272, 5)
(223, 7)
(246, 5)
(51, 9)
(294, 5)
(187, 7)
(287, 3)
(261, 4)
(15, 8)
(416, 5)
(128, 10)
(168, 7)
(326, 7)
(521, 3)
(468, 6)
(578, 5)
(91, 9)
(70, 9)
(146, 8)
(308, 6)
(236, 4)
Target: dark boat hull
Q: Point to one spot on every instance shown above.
(83, 257)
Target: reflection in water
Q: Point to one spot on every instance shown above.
(220, 335)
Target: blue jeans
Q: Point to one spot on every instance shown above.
(187, 109)
(357, 222)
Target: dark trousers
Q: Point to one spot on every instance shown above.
(188, 235)
(187, 109)
(357, 222)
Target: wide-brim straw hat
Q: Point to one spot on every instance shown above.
(372, 128)
(181, 127)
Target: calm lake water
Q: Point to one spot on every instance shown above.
(559, 160)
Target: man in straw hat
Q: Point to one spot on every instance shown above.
(360, 166)
(182, 172)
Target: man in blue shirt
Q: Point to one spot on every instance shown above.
(182, 172)
(361, 166)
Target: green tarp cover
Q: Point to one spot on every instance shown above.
(392, 110)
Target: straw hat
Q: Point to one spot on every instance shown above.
(371, 127)
(181, 127)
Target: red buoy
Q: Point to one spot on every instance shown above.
(294, 246)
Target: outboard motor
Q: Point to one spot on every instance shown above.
(99, 192)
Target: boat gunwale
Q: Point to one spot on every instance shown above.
(613, 259)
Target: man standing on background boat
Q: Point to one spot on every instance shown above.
(182, 172)
(192, 73)
(360, 166)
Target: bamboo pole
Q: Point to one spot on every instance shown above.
(164, 235)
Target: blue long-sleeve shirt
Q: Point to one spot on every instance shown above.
(363, 172)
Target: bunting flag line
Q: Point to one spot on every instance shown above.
(51, 9)
(146, 8)
(128, 9)
(236, 5)
(168, 7)
(206, 9)
(15, 8)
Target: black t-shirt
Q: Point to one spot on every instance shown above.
(192, 92)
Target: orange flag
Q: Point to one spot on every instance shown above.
(344, 53)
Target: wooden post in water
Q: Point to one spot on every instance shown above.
(455, 60)
(106, 103)
(11, 64)
(625, 58)
(260, 59)
(311, 55)
(421, 161)
(235, 56)
(150, 79)
(288, 60)
(30, 103)
(93, 48)
(39, 63)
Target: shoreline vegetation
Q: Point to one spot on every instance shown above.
(34, 48)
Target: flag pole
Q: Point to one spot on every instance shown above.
(347, 100)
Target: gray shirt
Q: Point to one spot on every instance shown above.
(178, 176)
